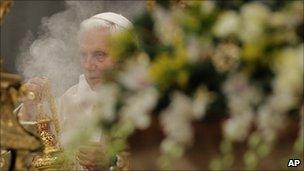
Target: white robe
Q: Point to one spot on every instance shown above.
(75, 109)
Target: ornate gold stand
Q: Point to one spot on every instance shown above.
(49, 158)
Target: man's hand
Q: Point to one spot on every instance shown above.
(93, 157)
(38, 86)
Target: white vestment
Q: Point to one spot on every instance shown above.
(75, 109)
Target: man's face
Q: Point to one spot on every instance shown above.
(94, 50)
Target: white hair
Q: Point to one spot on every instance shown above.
(114, 22)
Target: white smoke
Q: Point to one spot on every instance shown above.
(54, 53)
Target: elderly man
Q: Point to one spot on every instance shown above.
(77, 102)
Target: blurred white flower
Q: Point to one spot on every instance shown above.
(254, 17)
(200, 102)
(256, 11)
(237, 127)
(135, 74)
(227, 24)
(137, 107)
(193, 50)
(287, 87)
(180, 132)
(281, 103)
(177, 118)
(164, 18)
(241, 98)
(239, 93)
(168, 146)
(279, 19)
(289, 68)
(207, 7)
(106, 103)
(270, 122)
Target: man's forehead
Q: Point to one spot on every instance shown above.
(95, 34)
(94, 37)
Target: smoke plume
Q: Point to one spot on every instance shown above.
(54, 53)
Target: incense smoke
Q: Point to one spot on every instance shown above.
(54, 53)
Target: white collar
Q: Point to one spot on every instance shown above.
(84, 89)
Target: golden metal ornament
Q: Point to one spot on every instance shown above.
(4, 8)
(13, 135)
(15, 142)
(49, 159)
(54, 111)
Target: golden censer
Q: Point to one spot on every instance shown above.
(48, 129)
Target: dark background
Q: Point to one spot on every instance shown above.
(23, 17)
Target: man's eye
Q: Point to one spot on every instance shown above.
(100, 56)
